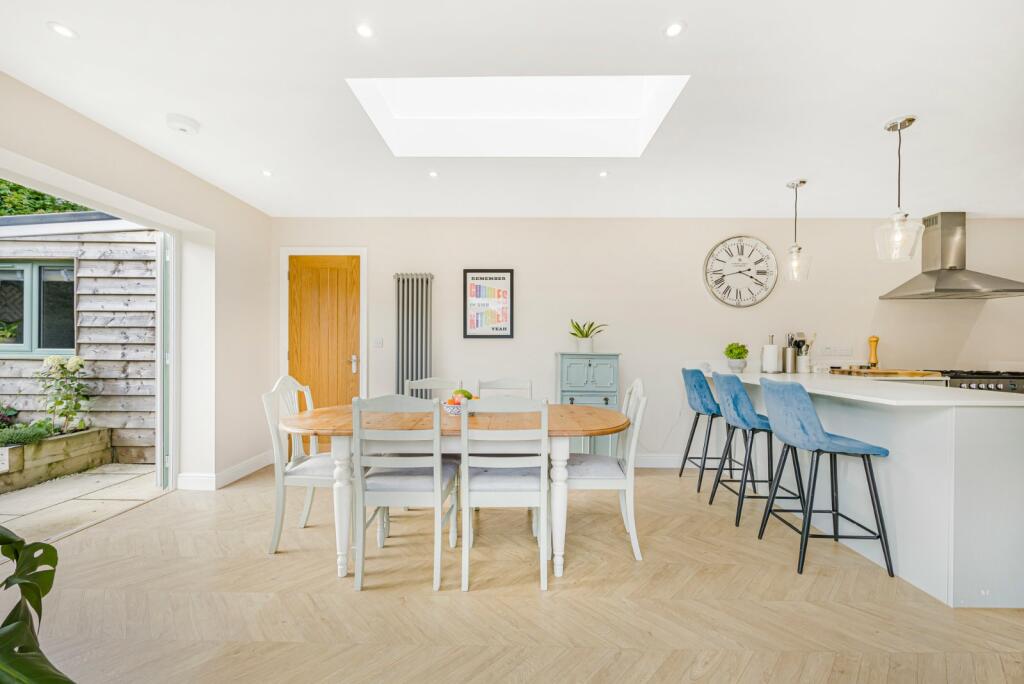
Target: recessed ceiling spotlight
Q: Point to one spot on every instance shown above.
(62, 30)
(268, 173)
(603, 174)
(432, 174)
(365, 30)
(675, 29)
(182, 124)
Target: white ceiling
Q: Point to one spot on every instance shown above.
(777, 90)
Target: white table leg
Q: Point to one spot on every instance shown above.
(342, 454)
(559, 499)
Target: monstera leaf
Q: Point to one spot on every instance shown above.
(35, 566)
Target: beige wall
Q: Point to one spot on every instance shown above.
(226, 348)
(643, 278)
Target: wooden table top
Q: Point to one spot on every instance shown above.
(564, 420)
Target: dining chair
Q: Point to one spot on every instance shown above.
(615, 473)
(430, 385)
(506, 387)
(383, 478)
(309, 470)
(502, 480)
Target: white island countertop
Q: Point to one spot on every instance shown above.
(879, 391)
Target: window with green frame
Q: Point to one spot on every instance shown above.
(37, 307)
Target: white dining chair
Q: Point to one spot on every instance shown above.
(419, 477)
(502, 480)
(431, 385)
(506, 387)
(310, 470)
(616, 473)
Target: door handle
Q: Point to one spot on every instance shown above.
(572, 400)
(355, 363)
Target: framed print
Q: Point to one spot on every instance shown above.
(487, 302)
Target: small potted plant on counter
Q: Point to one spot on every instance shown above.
(584, 334)
(737, 353)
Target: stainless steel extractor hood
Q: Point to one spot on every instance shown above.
(944, 272)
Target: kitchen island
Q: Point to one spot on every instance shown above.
(950, 488)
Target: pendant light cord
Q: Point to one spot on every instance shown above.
(899, 168)
(796, 190)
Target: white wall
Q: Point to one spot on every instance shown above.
(644, 278)
(226, 359)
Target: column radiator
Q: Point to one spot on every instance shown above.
(412, 329)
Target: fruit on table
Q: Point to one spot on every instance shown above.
(465, 393)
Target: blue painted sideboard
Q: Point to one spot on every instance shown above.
(591, 380)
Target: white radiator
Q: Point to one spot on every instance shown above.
(412, 329)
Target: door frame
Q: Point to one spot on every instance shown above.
(361, 252)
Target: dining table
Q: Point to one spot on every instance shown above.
(565, 421)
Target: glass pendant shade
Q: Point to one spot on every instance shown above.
(796, 268)
(897, 238)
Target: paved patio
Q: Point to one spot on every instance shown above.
(53, 509)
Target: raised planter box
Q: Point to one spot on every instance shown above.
(53, 457)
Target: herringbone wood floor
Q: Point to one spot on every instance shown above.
(181, 589)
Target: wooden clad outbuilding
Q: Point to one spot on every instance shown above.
(115, 320)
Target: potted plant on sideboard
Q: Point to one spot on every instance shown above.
(737, 353)
(584, 334)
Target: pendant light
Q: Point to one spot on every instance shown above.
(797, 267)
(897, 238)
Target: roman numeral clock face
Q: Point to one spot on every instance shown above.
(741, 271)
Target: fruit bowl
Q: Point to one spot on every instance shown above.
(453, 409)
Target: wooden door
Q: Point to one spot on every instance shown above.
(323, 327)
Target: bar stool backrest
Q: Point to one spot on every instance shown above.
(792, 415)
(737, 408)
(698, 393)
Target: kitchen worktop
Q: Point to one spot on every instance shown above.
(886, 391)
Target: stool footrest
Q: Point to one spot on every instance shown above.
(872, 534)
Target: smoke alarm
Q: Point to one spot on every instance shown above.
(182, 124)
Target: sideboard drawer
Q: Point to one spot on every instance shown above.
(590, 399)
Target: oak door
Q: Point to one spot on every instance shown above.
(323, 327)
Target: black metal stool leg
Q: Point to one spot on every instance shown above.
(832, 473)
(704, 456)
(770, 503)
(750, 461)
(747, 467)
(808, 511)
(729, 432)
(877, 506)
(689, 442)
(732, 474)
(799, 477)
(769, 439)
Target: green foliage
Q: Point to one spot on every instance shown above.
(7, 414)
(35, 568)
(9, 330)
(66, 392)
(736, 350)
(26, 434)
(585, 330)
(17, 199)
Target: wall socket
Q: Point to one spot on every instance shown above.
(837, 350)
(378, 342)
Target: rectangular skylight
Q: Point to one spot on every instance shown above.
(518, 116)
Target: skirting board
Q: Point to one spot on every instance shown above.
(208, 482)
(658, 460)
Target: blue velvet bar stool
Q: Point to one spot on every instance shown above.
(795, 422)
(702, 401)
(738, 411)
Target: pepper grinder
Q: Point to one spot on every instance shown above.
(873, 351)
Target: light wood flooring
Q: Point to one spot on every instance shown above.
(181, 589)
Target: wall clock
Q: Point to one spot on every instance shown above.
(741, 271)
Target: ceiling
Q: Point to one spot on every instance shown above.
(777, 90)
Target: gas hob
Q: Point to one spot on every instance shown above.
(997, 381)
